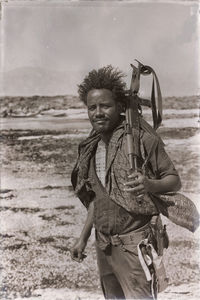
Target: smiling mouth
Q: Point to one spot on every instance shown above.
(100, 121)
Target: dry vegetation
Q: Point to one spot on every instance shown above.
(40, 217)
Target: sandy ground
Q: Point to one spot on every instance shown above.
(183, 292)
(40, 217)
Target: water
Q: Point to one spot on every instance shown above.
(47, 123)
(64, 123)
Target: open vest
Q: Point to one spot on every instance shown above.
(109, 217)
(178, 208)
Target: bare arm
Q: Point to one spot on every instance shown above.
(86, 231)
(140, 184)
(170, 183)
(79, 246)
(169, 180)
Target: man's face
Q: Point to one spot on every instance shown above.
(103, 110)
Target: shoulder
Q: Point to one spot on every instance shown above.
(89, 142)
(148, 134)
(149, 140)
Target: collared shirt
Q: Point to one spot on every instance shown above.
(100, 161)
(110, 217)
(158, 166)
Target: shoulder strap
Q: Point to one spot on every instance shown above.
(156, 102)
(150, 152)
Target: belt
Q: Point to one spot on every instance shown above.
(133, 237)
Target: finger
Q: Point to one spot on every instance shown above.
(74, 257)
(84, 255)
(80, 256)
(134, 175)
(140, 195)
(130, 183)
(133, 183)
(139, 188)
(72, 252)
(137, 181)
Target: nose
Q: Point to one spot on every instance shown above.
(99, 112)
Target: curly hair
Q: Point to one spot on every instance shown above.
(104, 78)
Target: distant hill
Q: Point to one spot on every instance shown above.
(187, 102)
(36, 104)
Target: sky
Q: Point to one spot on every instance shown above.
(48, 47)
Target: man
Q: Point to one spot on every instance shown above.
(102, 182)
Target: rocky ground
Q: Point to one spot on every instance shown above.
(40, 218)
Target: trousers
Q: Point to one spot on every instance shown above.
(121, 273)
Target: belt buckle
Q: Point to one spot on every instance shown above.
(116, 241)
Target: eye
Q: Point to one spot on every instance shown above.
(91, 108)
(105, 105)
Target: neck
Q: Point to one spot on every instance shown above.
(106, 137)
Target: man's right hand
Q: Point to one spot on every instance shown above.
(77, 249)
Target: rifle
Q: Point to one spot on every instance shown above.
(134, 103)
(175, 206)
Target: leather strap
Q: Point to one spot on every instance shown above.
(155, 102)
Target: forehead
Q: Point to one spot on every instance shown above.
(100, 95)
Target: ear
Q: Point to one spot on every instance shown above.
(120, 107)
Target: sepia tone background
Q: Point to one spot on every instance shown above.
(47, 47)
